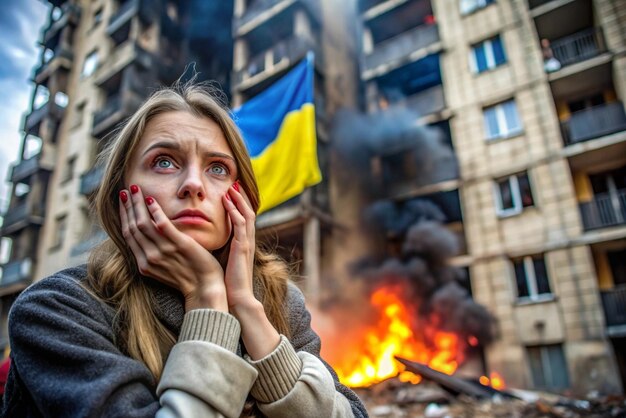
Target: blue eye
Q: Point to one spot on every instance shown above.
(163, 163)
(218, 169)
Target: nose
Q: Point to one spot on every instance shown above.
(192, 184)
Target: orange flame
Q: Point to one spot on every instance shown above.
(494, 380)
(371, 359)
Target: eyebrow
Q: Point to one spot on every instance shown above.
(176, 147)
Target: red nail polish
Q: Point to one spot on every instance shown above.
(228, 197)
(124, 196)
(133, 188)
(149, 200)
(236, 185)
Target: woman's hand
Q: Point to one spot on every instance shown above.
(168, 255)
(239, 271)
(259, 336)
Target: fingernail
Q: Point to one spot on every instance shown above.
(124, 196)
(228, 197)
(134, 189)
(236, 185)
(149, 200)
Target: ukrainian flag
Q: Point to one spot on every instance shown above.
(278, 127)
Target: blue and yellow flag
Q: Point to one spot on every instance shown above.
(278, 127)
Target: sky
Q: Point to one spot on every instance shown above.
(21, 23)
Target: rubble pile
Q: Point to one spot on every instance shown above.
(394, 399)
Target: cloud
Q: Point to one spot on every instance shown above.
(21, 23)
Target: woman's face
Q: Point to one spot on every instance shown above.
(184, 162)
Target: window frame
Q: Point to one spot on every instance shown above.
(474, 6)
(487, 45)
(501, 121)
(530, 277)
(516, 195)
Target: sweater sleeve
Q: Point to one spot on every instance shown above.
(64, 353)
(294, 381)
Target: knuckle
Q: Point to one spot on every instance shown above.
(153, 257)
(142, 225)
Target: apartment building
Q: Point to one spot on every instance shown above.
(531, 94)
(528, 94)
(100, 59)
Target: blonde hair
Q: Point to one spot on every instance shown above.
(113, 274)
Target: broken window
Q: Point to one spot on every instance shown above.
(513, 194)
(548, 367)
(531, 278)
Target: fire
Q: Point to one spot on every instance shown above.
(494, 380)
(371, 358)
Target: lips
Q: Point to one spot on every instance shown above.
(191, 215)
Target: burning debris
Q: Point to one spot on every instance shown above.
(418, 307)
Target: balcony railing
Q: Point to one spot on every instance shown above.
(257, 7)
(614, 303)
(594, 122)
(428, 101)
(128, 10)
(401, 45)
(536, 3)
(26, 168)
(21, 216)
(31, 125)
(71, 14)
(117, 108)
(62, 58)
(605, 210)
(15, 272)
(578, 47)
(291, 49)
(90, 181)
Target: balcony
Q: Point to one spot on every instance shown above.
(578, 47)
(401, 46)
(90, 181)
(34, 119)
(62, 58)
(115, 110)
(605, 210)
(21, 216)
(594, 122)
(614, 303)
(259, 11)
(16, 275)
(428, 101)
(126, 12)
(126, 54)
(27, 168)
(70, 15)
(281, 56)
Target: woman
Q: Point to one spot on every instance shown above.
(152, 325)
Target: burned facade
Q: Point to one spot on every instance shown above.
(505, 116)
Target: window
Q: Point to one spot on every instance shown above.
(79, 114)
(531, 277)
(69, 169)
(61, 99)
(513, 194)
(502, 120)
(90, 65)
(488, 54)
(97, 17)
(61, 228)
(548, 367)
(469, 6)
(42, 95)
